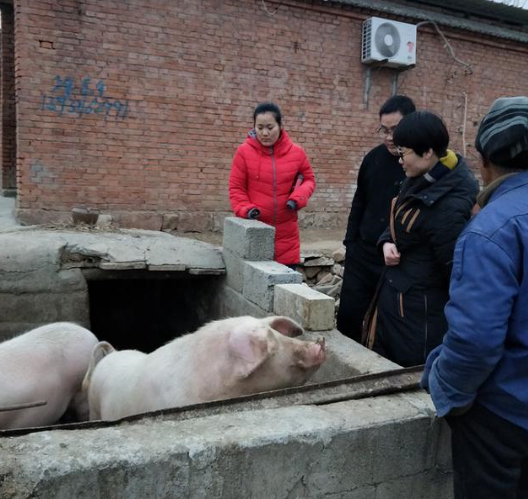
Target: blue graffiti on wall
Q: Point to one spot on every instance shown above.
(66, 97)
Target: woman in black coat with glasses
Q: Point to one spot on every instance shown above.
(434, 204)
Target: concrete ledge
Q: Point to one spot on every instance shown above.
(343, 351)
(260, 279)
(249, 239)
(385, 447)
(313, 310)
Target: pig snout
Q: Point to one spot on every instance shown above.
(320, 353)
(313, 355)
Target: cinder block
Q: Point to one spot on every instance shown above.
(249, 239)
(234, 270)
(260, 279)
(231, 303)
(314, 311)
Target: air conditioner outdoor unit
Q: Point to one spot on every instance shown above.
(389, 43)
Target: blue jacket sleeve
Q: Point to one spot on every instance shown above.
(482, 293)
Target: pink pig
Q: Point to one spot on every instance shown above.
(46, 364)
(223, 359)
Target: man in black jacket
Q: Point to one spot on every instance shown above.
(379, 178)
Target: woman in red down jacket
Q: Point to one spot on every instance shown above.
(271, 178)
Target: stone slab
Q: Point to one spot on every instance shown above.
(313, 310)
(260, 279)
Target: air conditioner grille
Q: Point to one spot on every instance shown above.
(367, 39)
(387, 40)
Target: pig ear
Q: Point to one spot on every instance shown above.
(284, 325)
(249, 348)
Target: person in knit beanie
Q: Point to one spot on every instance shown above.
(478, 377)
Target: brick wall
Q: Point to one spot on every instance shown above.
(8, 128)
(136, 107)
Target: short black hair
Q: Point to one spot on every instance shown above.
(268, 107)
(421, 131)
(398, 104)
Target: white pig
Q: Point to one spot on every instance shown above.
(46, 364)
(223, 359)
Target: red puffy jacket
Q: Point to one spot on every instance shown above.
(262, 177)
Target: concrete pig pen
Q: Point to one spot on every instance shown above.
(386, 447)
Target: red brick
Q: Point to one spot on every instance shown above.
(192, 72)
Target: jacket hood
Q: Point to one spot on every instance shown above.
(280, 148)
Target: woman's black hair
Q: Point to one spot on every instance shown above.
(421, 131)
(268, 107)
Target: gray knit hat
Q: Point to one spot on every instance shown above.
(503, 133)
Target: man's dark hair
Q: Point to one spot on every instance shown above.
(398, 104)
(421, 131)
(268, 107)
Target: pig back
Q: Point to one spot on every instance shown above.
(44, 364)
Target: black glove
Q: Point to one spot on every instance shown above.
(253, 213)
(291, 204)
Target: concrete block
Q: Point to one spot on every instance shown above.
(249, 239)
(314, 311)
(231, 303)
(260, 279)
(234, 270)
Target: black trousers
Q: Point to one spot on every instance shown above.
(490, 456)
(363, 267)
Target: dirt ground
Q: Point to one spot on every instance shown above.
(323, 240)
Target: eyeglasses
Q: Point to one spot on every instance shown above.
(385, 132)
(402, 154)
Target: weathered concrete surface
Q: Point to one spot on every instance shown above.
(249, 239)
(234, 270)
(386, 447)
(41, 270)
(232, 303)
(345, 358)
(314, 311)
(7, 217)
(260, 279)
(121, 249)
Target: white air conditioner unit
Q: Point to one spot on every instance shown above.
(389, 43)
